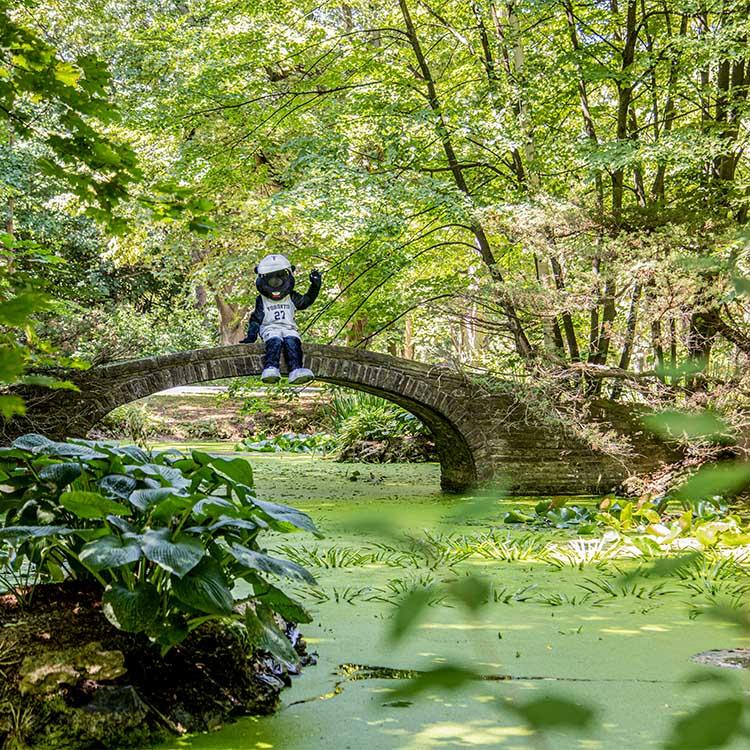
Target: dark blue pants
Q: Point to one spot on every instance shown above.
(292, 348)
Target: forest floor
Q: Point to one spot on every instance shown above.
(563, 618)
(213, 416)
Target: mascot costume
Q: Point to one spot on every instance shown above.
(273, 318)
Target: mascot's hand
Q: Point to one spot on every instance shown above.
(315, 276)
(252, 336)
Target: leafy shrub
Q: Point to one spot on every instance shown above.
(355, 417)
(166, 535)
(133, 422)
(206, 429)
(289, 442)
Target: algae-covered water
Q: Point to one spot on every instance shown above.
(562, 619)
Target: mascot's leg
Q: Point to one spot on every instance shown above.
(271, 360)
(298, 375)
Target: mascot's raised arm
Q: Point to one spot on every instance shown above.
(273, 318)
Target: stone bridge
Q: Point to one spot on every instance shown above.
(483, 433)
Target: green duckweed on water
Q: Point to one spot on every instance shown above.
(562, 618)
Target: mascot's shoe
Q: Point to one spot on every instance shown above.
(270, 375)
(300, 376)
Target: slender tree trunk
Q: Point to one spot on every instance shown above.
(409, 337)
(231, 320)
(567, 320)
(627, 347)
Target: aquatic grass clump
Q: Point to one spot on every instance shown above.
(625, 586)
(506, 595)
(333, 557)
(347, 595)
(580, 553)
(496, 545)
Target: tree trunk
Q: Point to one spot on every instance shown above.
(627, 347)
(231, 320)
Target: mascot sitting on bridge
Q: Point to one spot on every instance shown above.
(273, 318)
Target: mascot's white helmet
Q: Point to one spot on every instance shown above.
(272, 263)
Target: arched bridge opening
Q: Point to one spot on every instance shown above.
(106, 387)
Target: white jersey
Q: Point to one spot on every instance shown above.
(278, 319)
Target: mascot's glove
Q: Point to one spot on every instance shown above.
(252, 334)
(315, 276)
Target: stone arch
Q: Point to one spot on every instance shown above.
(411, 386)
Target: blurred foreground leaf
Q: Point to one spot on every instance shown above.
(712, 725)
(552, 712)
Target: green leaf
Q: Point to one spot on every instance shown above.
(61, 475)
(267, 564)
(11, 405)
(473, 592)
(284, 518)
(132, 611)
(32, 442)
(169, 507)
(696, 425)
(179, 555)
(16, 311)
(715, 479)
(144, 499)
(446, 677)
(236, 469)
(91, 505)
(409, 611)
(34, 532)
(205, 588)
(290, 609)
(173, 477)
(711, 725)
(110, 552)
(265, 634)
(215, 507)
(550, 712)
(117, 485)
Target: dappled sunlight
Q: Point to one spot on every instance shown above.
(467, 734)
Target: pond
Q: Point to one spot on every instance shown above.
(561, 620)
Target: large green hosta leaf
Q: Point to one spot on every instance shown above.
(34, 532)
(144, 499)
(290, 609)
(131, 611)
(118, 485)
(61, 475)
(39, 444)
(179, 555)
(91, 505)
(236, 469)
(267, 564)
(285, 518)
(173, 477)
(110, 552)
(32, 442)
(205, 588)
(265, 634)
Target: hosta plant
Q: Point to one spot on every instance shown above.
(166, 535)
